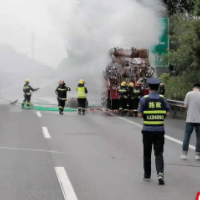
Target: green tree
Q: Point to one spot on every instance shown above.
(184, 55)
(196, 11)
(179, 6)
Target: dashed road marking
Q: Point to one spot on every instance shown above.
(166, 136)
(46, 133)
(65, 184)
(39, 114)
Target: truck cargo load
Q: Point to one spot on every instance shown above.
(130, 65)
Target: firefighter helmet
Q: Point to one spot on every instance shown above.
(138, 83)
(131, 84)
(61, 82)
(81, 81)
(123, 83)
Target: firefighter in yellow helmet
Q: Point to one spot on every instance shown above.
(130, 97)
(27, 93)
(61, 92)
(123, 98)
(82, 91)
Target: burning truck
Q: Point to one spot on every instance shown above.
(129, 65)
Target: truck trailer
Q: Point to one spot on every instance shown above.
(129, 65)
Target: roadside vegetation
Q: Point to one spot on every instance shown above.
(184, 52)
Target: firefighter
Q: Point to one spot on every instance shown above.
(61, 92)
(130, 97)
(162, 89)
(82, 91)
(153, 108)
(27, 93)
(137, 94)
(123, 97)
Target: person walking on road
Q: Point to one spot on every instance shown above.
(61, 92)
(192, 103)
(82, 91)
(153, 108)
(27, 93)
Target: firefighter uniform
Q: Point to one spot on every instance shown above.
(82, 91)
(137, 94)
(123, 97)
(162, 89)
(61, 92)
(27, 93)
(130, 97)
(153, 108)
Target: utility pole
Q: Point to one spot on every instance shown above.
(32, 45)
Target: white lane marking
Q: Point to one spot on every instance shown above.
(65, 184)
(136, 124)
(46, 133)
(34, 150)
(39, 114)
(178, 141)
(166, 136)
(44, 151)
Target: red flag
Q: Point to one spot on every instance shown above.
(198, 196)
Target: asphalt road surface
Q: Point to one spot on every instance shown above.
(45, 156)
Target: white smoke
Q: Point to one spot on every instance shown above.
(94, 26)
(87, 29)
(103, 24)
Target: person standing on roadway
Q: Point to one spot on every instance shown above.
(153, 108)
(61, 92)
(162, 89)
(130, 97)
(137, 94)
(192, 103)
(123, 98)
(82, 91)
(27, 93)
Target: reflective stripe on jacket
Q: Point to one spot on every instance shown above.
(61, 92)
(123, 93)
(154, 112)
(26, 89)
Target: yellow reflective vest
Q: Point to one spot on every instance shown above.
(154, 112)
(81, 92)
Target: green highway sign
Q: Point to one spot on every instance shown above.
(162, 44)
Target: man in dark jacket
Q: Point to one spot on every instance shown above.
(61, 92)
(27, 93)
(153, 108)
(130, 98)
(137, 94)
(82, 91)
(162, 89)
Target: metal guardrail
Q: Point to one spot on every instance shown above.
(176, 103)
(177, 109)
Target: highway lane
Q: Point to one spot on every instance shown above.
(25, 174)
(104, 159)
(174, 128)
(102, 156)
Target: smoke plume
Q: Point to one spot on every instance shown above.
(93, 27)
